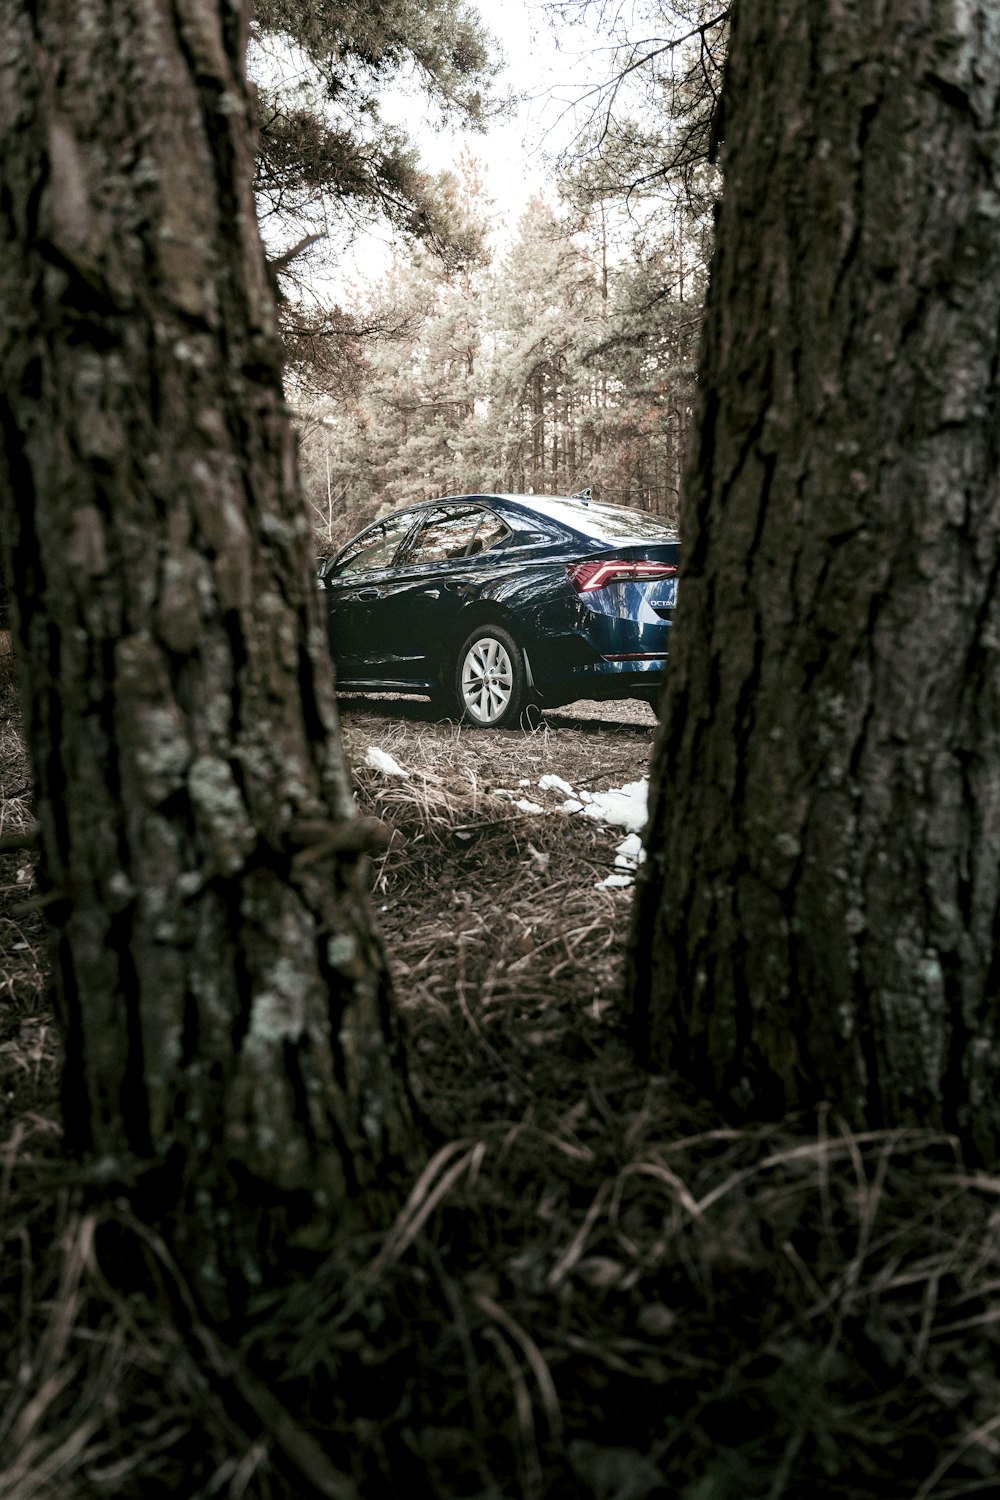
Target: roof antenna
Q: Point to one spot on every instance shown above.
(583, 495)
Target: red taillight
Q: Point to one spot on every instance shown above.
(587, 576)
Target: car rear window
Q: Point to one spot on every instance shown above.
(606, 524)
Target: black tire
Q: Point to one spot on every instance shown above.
(491, 681)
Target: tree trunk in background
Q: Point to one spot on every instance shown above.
(223, 998)
(819, 916)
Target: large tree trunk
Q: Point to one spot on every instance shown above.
(223, 999)
(820, 912)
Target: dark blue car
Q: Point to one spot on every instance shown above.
(493, 603)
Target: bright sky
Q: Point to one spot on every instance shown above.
(549, 71)
(546, 66)
(546, 69)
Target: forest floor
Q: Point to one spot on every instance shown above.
(597, 1289)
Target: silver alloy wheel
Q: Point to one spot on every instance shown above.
(487, 680)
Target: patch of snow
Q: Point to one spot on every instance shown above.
(380, 760)
(540, 859)
(630, 854)
(620, 807)
(624, 807)
(550, 783)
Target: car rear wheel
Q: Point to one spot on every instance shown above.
(490, 680)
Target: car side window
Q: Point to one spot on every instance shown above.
(374, 548)
(444, 536)
(455, 534)
(491, 531)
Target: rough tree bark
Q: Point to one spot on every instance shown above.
(820, 912)
(224, 1002)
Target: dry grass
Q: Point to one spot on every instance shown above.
(490, 914)
(594, 1289)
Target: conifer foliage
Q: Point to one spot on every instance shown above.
(554, 365)
(564, 357)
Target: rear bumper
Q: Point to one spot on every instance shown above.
(604, 679)
(601, 657)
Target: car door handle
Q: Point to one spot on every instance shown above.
(367, 594)
(432, 593)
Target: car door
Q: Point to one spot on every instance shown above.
(429, 585)
(355, 585)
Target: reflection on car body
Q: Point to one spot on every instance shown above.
(493, 603)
